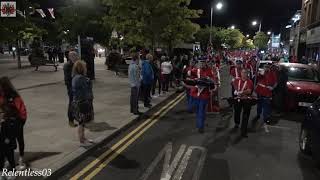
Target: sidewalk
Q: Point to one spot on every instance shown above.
(50, 142)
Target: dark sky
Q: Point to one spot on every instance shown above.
(273, 13)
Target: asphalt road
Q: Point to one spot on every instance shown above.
(166, 145)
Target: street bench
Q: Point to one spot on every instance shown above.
(42, 61)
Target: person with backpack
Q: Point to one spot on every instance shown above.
(13, 119)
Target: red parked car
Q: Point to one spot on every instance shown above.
(303, 85)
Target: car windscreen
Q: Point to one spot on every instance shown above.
(302, 74)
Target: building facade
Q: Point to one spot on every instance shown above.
(309, 42)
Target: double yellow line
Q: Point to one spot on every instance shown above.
(114, 151)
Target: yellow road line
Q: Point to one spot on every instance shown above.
(125, 146)
(107, 153)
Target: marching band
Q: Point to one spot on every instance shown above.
(202, 82)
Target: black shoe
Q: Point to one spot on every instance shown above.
(148, 105)
(234, 129)
(138, 113)
(201, 130)
(244, 135)
(254, 120)
(268, 122)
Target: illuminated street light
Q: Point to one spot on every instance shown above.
(232, 27)
(247, 35)
(254, 23)
(219, 5)
(269, 32)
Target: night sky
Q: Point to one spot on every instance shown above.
(273, 13)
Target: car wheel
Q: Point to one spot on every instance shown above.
(304, 141)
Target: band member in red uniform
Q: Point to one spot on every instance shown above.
(190, 74)
(213, 106)
(243, 90)
(201, 95)
(266, 82)
(236, 72)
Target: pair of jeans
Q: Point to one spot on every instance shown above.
(264, 107)
(154, 86)
(146, 93)
(190, 101)
(165, 83)
(201, 110)
(134, 100)
(20, 137)
(70, 105)
(9, 155)
(245, 108)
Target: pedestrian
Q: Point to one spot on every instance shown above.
(8, 129)
(281, 89)
(113, 60)
(134, 79)
(156, 75)
(265, 84)
(166, 70)
(147, 80)
(13, 116)
(243, 91)
(82, 100)
(67, 70)
(10, 97)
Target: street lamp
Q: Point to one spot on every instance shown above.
(254, 23)
(269, 32)
(232, 27)
(247, 35)
(219, 6)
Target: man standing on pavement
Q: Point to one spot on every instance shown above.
(134, 79)
(67, 69)
(147, 80)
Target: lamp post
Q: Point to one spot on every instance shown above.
(254, 23)
(219, 6)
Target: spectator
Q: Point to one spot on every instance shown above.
(113, 60)
(13, 119)
(67, 69)
(166, 70)
(82, 100)
(147, 79)
(156, 74)
(134, 79)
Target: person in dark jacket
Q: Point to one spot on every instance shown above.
(82, 100)
(67, 69)
(15, 110)
(156, 74)
(147, 75)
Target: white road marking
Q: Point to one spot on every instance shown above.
(168, 169)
